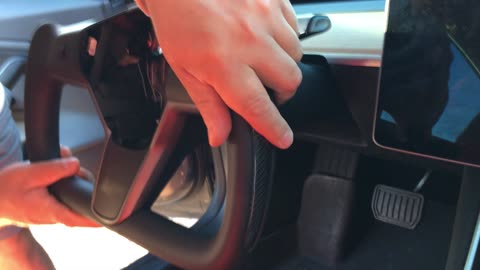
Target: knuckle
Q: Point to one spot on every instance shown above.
(208, 117)
(217, 61)
(213, 48)
(264, 6)
(293, 81)
(205, 102)
(208, 108)
(282, 98)
(297, 53)
(256, 106)
(61, 166)
(248, 32)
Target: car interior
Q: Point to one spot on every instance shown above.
(382, 173)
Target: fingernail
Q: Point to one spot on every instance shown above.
(286, 140)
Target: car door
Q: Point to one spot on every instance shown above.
(19, 19)
(18, 22)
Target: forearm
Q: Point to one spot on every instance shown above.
(22, 251)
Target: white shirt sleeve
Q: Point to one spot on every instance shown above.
(10, 143)
(10, 148)
(2, 97)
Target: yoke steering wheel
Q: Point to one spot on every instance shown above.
(131, 176)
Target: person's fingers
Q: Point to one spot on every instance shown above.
(86, 174)
(65, 152)
(280, 73)
(214, 112)
(287, 38)
(245, 94)
(72, 219)
(63, 214)
(289, 14)
(46, 173)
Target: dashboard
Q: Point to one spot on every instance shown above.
(353, 46)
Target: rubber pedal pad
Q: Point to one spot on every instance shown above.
(397, 206)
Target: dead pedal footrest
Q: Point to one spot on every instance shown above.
(397, 206)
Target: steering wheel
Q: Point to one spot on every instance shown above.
(133, 171)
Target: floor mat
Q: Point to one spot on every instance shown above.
(384, 247)
(387, 247)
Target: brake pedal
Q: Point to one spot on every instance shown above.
(397, 206)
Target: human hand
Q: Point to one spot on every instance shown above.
(22, 251)
(83, 173)
(224, 52)
(25, 198)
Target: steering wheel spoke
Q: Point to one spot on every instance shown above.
(126, 174)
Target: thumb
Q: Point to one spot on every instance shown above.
(213, 110)
(43, 174)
